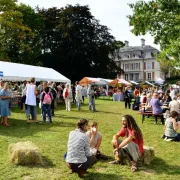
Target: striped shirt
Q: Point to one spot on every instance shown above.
(78, 147)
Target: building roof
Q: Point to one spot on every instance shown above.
(137, 48)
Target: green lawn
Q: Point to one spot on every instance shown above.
(52, 141)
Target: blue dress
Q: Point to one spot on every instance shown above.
(4, 104)
(0, 100)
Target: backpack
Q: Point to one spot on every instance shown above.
(47, 98)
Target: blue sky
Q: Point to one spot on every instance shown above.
(112, 13)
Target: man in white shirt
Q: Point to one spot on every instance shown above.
(174, 105)
(172, 92)
(78, 96)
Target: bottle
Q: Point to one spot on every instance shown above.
(117, 156)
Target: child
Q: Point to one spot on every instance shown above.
(95, 141)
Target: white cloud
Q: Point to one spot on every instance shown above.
(112, 13)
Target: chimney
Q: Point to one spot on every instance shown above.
(126, 43)
(142, 42)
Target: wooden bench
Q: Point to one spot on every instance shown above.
(145, 113)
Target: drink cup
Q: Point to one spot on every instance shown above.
(94, 129)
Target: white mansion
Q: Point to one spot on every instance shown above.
(139, 62)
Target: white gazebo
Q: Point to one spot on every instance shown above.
(159, 81)
(20, 72)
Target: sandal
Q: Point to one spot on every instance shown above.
(133, 168)
(7, 124)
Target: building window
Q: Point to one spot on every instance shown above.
(149, 65)
(137, 66)
(131, 77)
(137, 77)
(131, 66)
(126, 67)
(149, 76)
(126, 77)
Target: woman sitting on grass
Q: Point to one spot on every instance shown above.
(171, 127)
(79, 157)
(95, 141)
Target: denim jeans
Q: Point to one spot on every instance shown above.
(46, 108)
(31, 110)
(78, 103)
(92, 106)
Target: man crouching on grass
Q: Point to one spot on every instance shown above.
(132, 145)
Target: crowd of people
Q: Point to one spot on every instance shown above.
(46, 94)
(164, 103)
(83, 145)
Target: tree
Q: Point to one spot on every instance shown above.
(35, 23)
(166, 64)
(161, 19)
(13, 32)
(75, 43)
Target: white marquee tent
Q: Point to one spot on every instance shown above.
(159, 81)
(21, 72)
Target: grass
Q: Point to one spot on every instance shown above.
(52, 141)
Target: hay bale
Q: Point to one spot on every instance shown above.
(144, 160)
(148, 155)
(24, 153)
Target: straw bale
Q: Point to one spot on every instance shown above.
(148, 155)
(144, 160)
(24, 153)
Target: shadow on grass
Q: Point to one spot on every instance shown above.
(46, 163)
(102, 176)
(106, 112)
(20, 129)
(161, 167)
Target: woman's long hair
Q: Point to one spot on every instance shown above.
(131, 123)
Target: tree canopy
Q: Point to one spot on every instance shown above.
(68, 39)
(161, 19)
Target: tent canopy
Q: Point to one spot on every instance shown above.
(88, 80)
(21, 72)
(159, 81)
(147, 82)
(133, 82)
(122, 81)
(103, 81)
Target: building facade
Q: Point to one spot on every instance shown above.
(139, 62)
